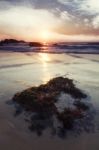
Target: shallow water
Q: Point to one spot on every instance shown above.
(19, 71)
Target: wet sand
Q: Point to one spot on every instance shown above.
(19, 71)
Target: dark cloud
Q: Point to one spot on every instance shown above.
(74, 7)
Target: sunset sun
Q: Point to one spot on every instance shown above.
(45, 36)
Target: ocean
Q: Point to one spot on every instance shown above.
(83, 48)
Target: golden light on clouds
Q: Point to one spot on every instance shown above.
(41, 21)
(28, 23)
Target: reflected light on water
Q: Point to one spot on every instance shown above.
(45, 59)
(45, 47)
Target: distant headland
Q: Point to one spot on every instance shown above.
(19, 42)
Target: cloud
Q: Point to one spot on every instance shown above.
(81, 38)
(65, 16)
(23, 16)
(65, 2)
(91, 6)
(95, 22)
(27, 21)
(86, 6)
(4, 4)
(39, 4)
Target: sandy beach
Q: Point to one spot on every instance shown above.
(19, 71)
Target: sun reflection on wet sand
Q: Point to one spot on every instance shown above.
(44, 57)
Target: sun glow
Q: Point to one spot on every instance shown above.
(45, 36)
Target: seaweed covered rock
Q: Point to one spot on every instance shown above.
(46, 94)
(42, 101)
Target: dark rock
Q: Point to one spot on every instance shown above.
(41, 100)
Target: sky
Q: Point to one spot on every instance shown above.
(49, 20)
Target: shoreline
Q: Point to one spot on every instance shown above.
(48, 52)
